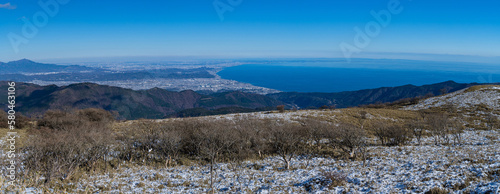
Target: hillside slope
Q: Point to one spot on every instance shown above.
(154, 103)
(159, 103)
(363, 97)
(486, 97)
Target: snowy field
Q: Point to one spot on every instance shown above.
(489, 96)
(473, 167)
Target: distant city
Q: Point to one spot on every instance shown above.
(173, 76)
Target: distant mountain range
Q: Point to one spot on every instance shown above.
(27, 71)
(159, 103)
(153, 103)
(368, 96)
(26, 66)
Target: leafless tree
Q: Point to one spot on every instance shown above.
(315, 130)
(417, 126)
(438, 124)
(381, 129)
(215, 139)
(169, 142)
(284, 139)
(391, 134)
(349, 138)
(456, 129)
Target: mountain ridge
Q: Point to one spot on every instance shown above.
(366, 96)
(28, 66)
(25, 70)
(154, 103)
(158, 103)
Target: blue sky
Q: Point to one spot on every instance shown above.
(254, 28)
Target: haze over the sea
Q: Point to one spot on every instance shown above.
(337, 76)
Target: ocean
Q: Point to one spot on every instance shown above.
(294, 77)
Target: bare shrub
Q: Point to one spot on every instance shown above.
(380, 130)
(334, 178)
(315, 130)
(398, 136)
(64, 120)
(96, 116)
(21, 121)
(391, 134)
(492, 120)
(213, 139)
(207, 140)
(349, 138)
(363, 115)
(3, 119)
(170, 145)
(438, 126)
(442, 126)
(328, 179)
(456, 128)
(59, 147)
(250, 134)
(59, 120)
(284, 139)
(281, 108)
(151, 142)
(416, 127)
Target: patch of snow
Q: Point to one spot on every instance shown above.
(403, 169)
(461, 99)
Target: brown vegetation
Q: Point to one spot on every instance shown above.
(281, 108)
(285, 140)
(391, 134)
(492, 121)
(21, 121)
(67, 141)
(349, 139)
(335, 178)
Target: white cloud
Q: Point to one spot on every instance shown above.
(7, 6)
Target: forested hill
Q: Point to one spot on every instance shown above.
(159, 103)
(363, 97)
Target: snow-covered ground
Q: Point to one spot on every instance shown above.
(287, 116)
(473, 167)
(489, 96)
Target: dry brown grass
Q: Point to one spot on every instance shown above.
(437, 190)
(208, 140)
(480, 87)
(373, 116)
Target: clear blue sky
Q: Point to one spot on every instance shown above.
(255, 28)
